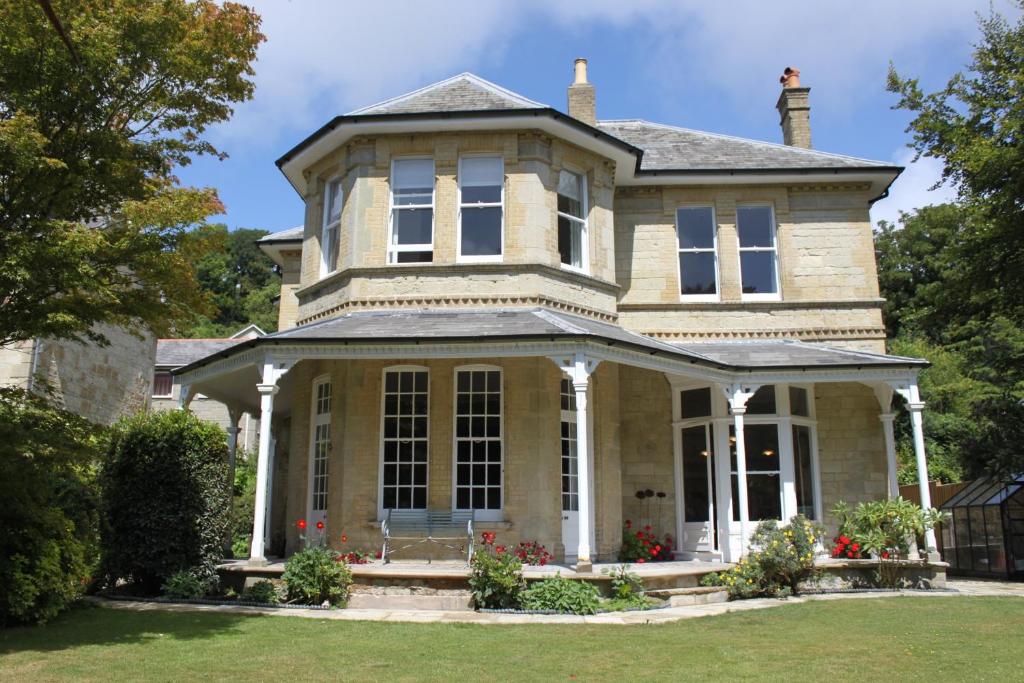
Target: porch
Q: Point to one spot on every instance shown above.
(555, 428)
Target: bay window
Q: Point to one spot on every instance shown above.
(404, 439)
(330, 232)
(481, 191)
(572, 220)
(759, 263)
(411, 236)
(478, 441)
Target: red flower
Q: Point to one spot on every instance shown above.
(377, 554)
(657, 548)
(319, 525)
(640, 560)
(500, 549)
(640, 535)
(849, 553)
(647, 528)
(629, 524)
(844, 540)
(301, 524)
(488, 537)
(885, 554)
(854, 547)
(344, 538)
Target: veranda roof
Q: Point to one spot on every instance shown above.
(541, 324)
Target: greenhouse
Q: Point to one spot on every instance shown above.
(985, 533)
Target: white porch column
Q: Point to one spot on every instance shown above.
(267, 393)
(787, 467)
(579, 368)
(737, 396)
(890, 453)
(915, 406)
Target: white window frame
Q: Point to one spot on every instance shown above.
(774, 250)
(811, 422)
(490, 258)
(317, 420)
(381, 511)
(703, 250)
(582, 222)
(568, 417)
(394, 249)
(481, 515)
(326, 225)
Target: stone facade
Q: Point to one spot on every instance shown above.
(100, 383)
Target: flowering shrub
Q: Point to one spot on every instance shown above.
(643, 545)
(496, 580)
(780, 558)
(314, 576)
(885, 528)
(532, 553)
(358, 557)
(563, 595)
(844, 546)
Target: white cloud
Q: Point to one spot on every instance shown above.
(913, 189)
(323, 55)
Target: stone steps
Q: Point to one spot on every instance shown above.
(409, 598)
(696, 595)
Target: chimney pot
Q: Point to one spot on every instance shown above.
(581, 70)
(794, 110)
(790, 78)
(582, 104)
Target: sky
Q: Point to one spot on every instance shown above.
(707, 66)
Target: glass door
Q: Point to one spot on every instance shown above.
(698, 489)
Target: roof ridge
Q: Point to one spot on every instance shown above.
(494, 88)
(564, 325)
(736, 138)
(849, 352)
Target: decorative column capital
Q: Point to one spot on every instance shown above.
(267, 389)
(887, 417)
(915, 406)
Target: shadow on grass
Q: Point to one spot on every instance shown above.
(88, 624)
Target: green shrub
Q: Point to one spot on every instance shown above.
(496, 577)
(48, 507)
(780, 558)
(626, 586)
(243, 502)
(886, 528)
(316, 575)
(261, 591)
(559, 594)
(184, 585)
(165, 501)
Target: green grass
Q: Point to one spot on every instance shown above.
(903, 638)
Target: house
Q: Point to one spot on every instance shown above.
(239, 425)
(563, 323)
(102, 383)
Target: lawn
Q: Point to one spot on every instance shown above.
(904, 638)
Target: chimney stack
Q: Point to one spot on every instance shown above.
(582, 102)
(794, 109)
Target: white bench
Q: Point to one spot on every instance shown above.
(427, 526)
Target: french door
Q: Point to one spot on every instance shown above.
(698, 475)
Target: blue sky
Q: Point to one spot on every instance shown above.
(707, 66)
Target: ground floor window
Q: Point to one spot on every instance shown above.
(405, 440)
(320, 446)
(764, 481)
(478, 439)
(570, 457)
(803, 462)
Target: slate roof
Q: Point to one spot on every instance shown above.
(768, 354)
(289, 235)
(464, 92)
(483, 325)
(176, 353)
(671, 148)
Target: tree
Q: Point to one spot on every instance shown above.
(953, 274)
(975, 126)
(240, 281)
(98, 104)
